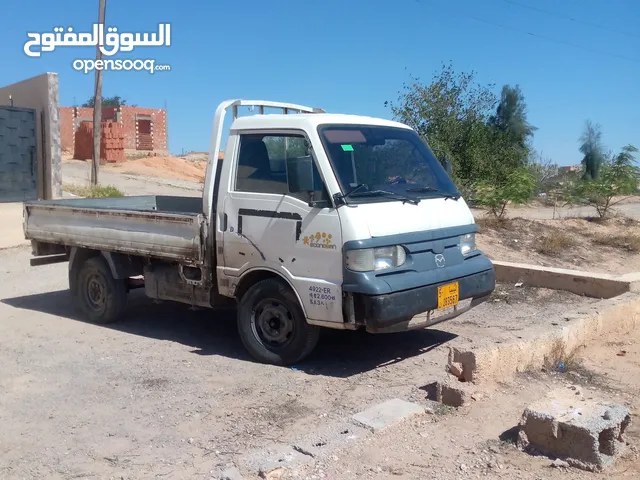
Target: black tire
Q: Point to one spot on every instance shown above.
(272, 326)
(101, 297)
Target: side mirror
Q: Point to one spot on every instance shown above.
(300, 174)
(303, 177)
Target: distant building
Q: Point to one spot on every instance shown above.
(144, 129)
(570, 169)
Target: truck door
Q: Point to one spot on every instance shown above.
(271, 225)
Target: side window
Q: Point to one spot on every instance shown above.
(280, 164)
(256, 172)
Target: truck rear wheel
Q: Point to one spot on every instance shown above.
(102, 298)
(272, 325)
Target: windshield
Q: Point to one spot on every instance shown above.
(392, 159)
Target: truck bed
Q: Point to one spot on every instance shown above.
(164, 227)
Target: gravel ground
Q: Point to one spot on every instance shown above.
(170, 393)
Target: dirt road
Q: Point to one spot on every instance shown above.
(170, 393)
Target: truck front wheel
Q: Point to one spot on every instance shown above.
(272, 325)
(102, 298)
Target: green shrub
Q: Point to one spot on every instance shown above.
(517, 189)
(93, 191)
(618, 176)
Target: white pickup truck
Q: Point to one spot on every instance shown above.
(311, 220)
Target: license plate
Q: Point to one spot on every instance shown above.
(448, 296)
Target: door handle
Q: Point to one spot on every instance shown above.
(224, 222)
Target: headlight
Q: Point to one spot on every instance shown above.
(370, 259)
(467, 243)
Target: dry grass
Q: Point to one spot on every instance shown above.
(93, 191)
(629, 242)
(561, 359)
(491, 222)
(554, 243)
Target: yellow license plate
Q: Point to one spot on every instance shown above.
(448, 296)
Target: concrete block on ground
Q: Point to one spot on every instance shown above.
(596, 285)
(386, 414)
(484, 363)
(585, 433)
(322, 441)
(456, 369)
(274, 458)
(231, 473)
(454, 393)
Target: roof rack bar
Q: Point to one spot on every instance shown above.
(216, 139)
(262, 104)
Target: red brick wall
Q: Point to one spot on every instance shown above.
(111, 144)
(67, 129)
(84, 112)
(109, 113)
(156, 140)
(158, 127)
(83, 145)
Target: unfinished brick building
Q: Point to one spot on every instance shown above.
(144, 130)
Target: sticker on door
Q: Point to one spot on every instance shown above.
(322, 240)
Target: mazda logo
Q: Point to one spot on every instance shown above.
(440, 260)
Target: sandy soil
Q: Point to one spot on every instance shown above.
(163, 167)
(612, 246)
(192, 168)
(478, 442)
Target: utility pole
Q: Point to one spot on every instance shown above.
(97, 107)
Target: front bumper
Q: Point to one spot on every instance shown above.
(396, 311)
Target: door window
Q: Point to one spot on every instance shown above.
(279, 164)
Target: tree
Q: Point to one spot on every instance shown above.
(618, 176)
(517, 189)
(452, 113)
(106, 102)
(543, 170)
(511, 115)
(591, 148)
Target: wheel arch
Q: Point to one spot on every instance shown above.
(77, 257)
(121, 266)
(255, 275)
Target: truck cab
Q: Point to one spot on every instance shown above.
(354, 215)
(308, 220)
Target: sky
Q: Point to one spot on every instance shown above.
(573, 59)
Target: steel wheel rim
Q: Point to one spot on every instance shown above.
(96, 292)
(272, 323)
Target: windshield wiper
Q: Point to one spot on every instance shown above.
(340, 197)
(379, 193)
(434, 190)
